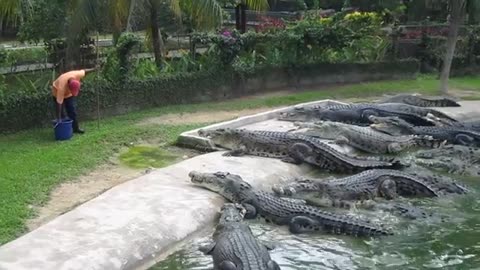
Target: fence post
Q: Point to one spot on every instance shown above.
(423, 46)
(394, 35)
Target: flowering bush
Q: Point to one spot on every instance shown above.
(363, 22)
(229, 44)
(269, 24)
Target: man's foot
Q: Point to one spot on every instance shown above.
(79, 131)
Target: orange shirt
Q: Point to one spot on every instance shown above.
(60, 88)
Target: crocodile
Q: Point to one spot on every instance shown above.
(456, 159)
(294, 148)
(352, 113)
(421, 101)
(404, 111)
(454, 135)
(365, 138)
(444, 185)
(363, 189)
(234, 246)
(366, 185)
(300, 218)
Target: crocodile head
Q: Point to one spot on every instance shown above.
(301, 188)
(298, 114)
(232, 212)
(224, 137)
(390, 125)
(230, 186)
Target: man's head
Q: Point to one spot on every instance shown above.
(74, 86)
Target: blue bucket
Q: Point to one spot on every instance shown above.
(63, 130)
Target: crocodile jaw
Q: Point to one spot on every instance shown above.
(232, 212)
(225, 138)
(223, 183)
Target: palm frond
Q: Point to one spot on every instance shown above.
(12, 9)
(206, 13)
(118, 13)
(258, 5)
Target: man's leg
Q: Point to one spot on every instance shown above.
(57, 113)
(70, 106)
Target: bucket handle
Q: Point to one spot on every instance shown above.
(57, 123)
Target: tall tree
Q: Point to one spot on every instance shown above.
(457, 13)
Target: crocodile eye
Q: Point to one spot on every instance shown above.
(220, 174)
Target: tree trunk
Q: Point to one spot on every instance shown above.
(131, 13)
(456, 18)
(243, 20)
(162, 44)
(1, 26)
(472, 10)
(237, 17)
(157, 40)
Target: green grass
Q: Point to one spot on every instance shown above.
(32, 163)
(140, 157)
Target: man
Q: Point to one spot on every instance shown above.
(64, 90)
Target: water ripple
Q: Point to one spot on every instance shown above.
(453, 243)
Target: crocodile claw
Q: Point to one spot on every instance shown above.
(279, 190)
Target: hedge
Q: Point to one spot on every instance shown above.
(35, 109)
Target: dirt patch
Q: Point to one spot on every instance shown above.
(200, 117)
(71, 194)
(68, 195)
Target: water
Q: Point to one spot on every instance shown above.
(453, 243)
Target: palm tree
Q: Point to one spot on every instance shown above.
(205, 14)
(457, 13)
(14, 11)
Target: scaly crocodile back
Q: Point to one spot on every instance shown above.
(421, 101)
(352, 161)
(407, 184)
(281, 211)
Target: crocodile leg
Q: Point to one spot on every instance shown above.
(303, 224)
(387, 188)
(394, 148)
(367, 113)
(298, 153)
(341, 140)
(207, 248)
(242, 150)
(464, 139)
(227, 265)
(251, 211)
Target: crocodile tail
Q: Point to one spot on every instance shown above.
(382, 162)
(429, 142)
(444, 102)
(336, 224)
(352, 227)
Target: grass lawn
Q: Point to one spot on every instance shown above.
(32, 164)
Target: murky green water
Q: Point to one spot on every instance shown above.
(453, 243)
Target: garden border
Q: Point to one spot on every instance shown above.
(24, 110)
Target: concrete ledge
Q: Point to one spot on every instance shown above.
(192, 140)
(469, 111)
(130, 225)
